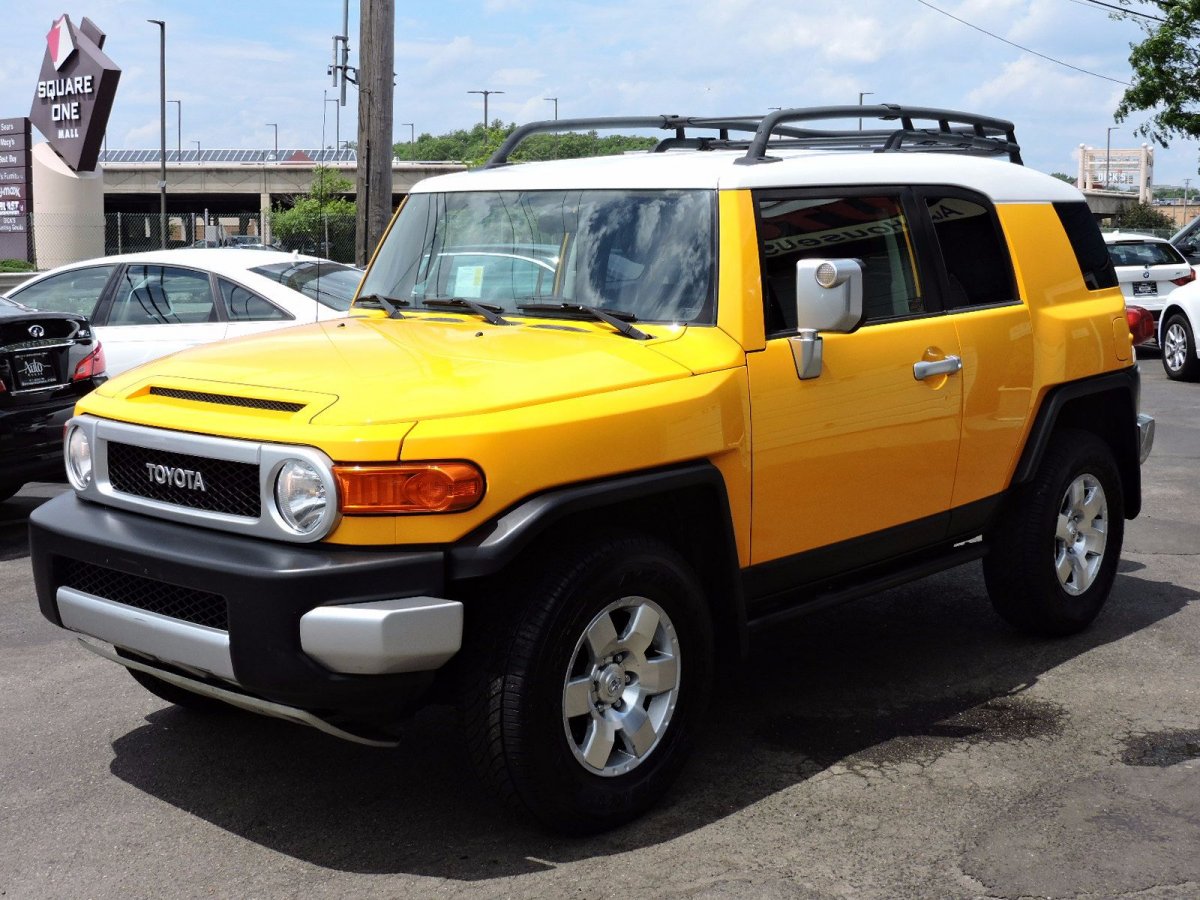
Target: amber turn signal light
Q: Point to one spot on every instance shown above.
(425, 487)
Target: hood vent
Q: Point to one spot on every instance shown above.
(228, 400)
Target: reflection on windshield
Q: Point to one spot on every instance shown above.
(649, 253)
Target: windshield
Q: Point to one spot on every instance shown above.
(329, 283)
(647, 253)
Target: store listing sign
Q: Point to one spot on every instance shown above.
(75, 92)
(15, 185)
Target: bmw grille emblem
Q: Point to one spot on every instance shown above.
(37, 331)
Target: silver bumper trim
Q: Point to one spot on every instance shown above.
(413, 634)
(241, 701)
(1145, 426)
(171, 640)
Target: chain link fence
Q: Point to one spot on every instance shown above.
(57, 239)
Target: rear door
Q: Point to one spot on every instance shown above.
(154, 310)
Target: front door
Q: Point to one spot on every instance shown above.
(867, 450)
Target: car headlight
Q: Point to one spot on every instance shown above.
(79, 458)
(300, 496)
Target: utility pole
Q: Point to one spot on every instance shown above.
(377, 40)
(162, 121)
(1187, 183)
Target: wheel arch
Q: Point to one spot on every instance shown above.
(1106, 406)
(687, 506)
(1173, 307)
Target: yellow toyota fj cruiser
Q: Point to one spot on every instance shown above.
(593, 423)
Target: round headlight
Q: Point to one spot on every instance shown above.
(79, 458)
(300, 496)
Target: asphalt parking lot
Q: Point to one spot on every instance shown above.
(910, 745)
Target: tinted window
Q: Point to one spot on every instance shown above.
(162, 295)
(242, 305)
(76, 291)
(976, 259)
(1144, 253)
(329, 284)
(873, 230)
(1090, 251)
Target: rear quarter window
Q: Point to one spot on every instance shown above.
(1091, 253)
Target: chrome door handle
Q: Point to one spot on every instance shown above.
(947, 366)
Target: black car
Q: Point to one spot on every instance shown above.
(48, 360)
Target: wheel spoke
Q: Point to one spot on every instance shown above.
(598, 743)
(1063, 566)
(1063, 532)
(1080, 572)
(640, 632)
(601, 637)
(1093, 507)
(577, 700)
(1076, 493)
(637, 730)
(658, 675)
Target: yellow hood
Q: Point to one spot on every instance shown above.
(376, 371)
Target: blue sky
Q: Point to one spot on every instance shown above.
(239, 65)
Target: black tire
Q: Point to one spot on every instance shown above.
(1178, 346)
(534, 665)
(1052, 525)
(185, 699)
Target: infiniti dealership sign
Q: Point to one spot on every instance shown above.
(75, 92)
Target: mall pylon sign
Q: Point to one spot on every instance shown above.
(15, 181)
(75, 92)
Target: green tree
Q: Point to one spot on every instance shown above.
(475, 146)
(1166, 70)
(1141, 217)
(1062, 176)
(319, 222)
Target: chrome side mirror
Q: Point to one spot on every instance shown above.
(828, 298)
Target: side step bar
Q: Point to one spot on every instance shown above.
(241, 701)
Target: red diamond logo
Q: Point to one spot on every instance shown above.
(60, 42)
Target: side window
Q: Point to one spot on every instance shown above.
(1088, 244)
(76, 291)
(162, 295)
(246, 306)
(871, 229)
(973, 251)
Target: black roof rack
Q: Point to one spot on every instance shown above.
(951, 131)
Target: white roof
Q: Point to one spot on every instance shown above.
(1113, 237)
(999, 179)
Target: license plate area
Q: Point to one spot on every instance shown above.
(34, 370)
(1145, 289)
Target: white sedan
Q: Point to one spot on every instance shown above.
(1148, 268)
(1177, 333)
(146, 305)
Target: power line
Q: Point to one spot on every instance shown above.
(1058, 62)
(1124, 11)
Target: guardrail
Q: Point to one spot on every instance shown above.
(9, 280)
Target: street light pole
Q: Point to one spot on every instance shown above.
(1108, 154)
(178, 129)
(862, 94)
(275, 125)
(162, 121)
(197, 143)
(553, 100)
(412, 132)
(486, 94)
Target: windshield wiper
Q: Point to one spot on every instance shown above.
(617, 318)
(390, 304)
(490, 313)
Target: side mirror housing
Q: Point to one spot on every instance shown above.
(828, 298)
(829, 295)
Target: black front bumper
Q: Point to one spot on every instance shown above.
(266, 587)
